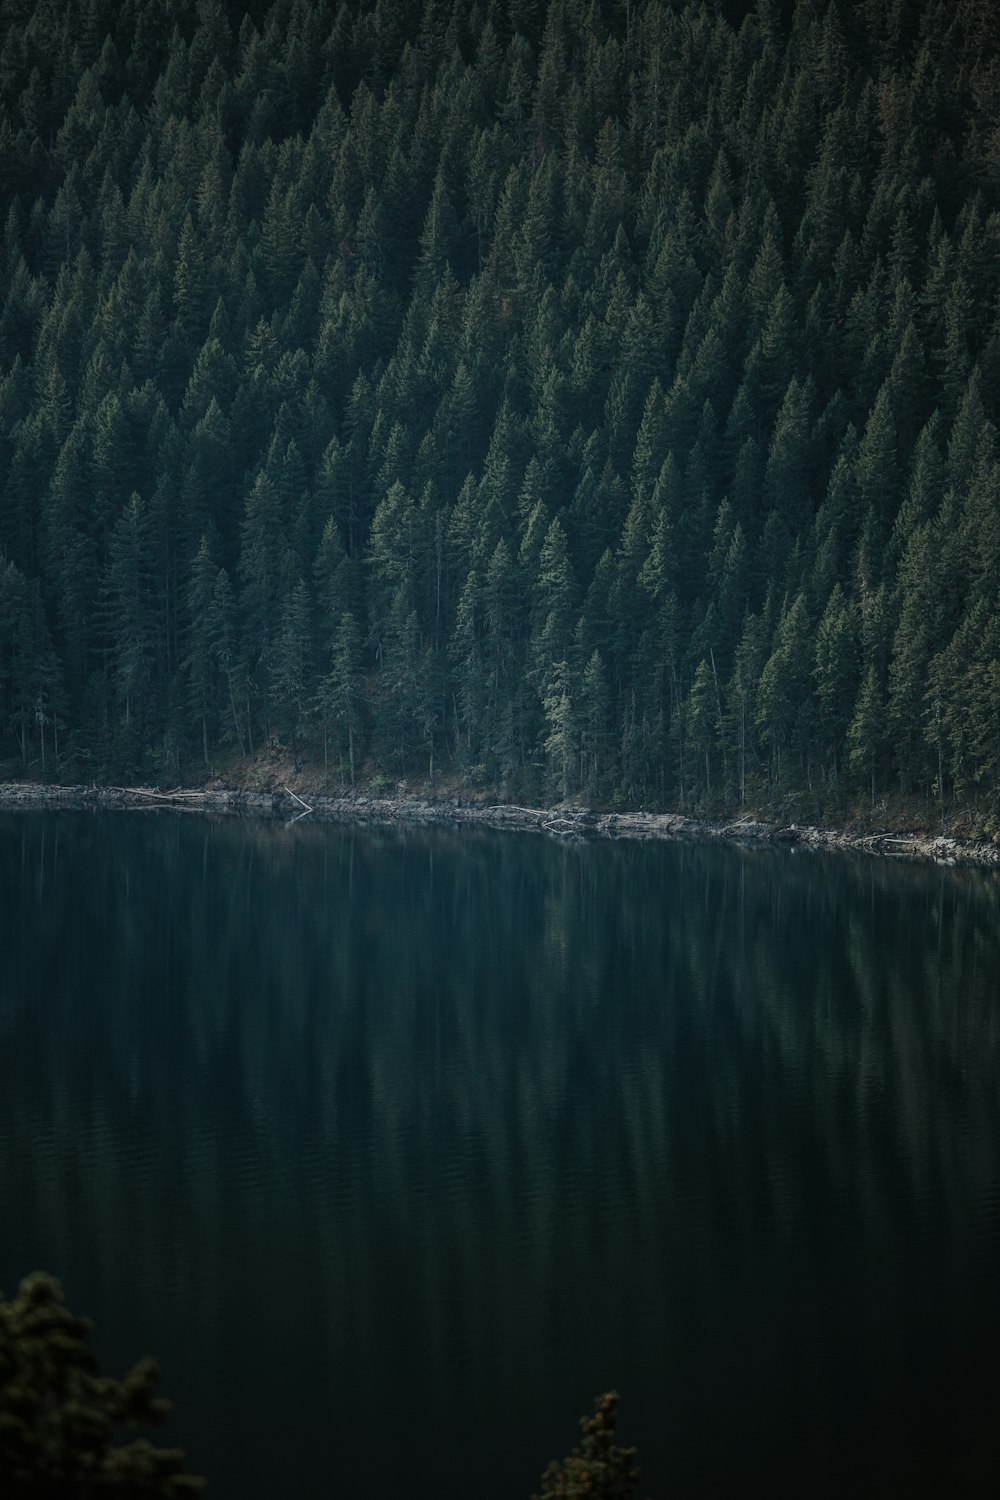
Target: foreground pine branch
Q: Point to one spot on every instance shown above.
(59, 1414)
(598, 1469)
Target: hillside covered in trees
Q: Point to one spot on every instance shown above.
(592, 398)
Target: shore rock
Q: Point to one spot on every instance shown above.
(555, 822)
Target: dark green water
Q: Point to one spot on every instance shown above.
(398, 1147)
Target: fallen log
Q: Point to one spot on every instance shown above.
(302, 804)
(140, 791)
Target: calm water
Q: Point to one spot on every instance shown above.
(396, 1148)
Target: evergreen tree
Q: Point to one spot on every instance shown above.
(741, 717)
(128, 612)
(866, 732)
(560, 723)
(341, 696)
(59, 1415)
(783, 693)
(290, 666)
(701, 719)
(836, 673)
(231, 660)
(201, 663)
(554, 607)
(598, 1468)
(594, 716)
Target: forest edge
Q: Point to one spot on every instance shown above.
(557, 822)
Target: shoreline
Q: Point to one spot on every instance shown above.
(557, 822)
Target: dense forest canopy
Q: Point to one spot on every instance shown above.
(589, 399)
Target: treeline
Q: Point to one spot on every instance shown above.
(590, 398)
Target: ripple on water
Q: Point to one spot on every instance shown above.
(449, 1143)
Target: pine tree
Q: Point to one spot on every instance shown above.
(24, 658)
(783, 694)
(702, 721)
(594, 719)
(59, 1415)
(598, 1469)
(560, 721)
(341, 695)
(231, 660)
(788, 474)
(554, 607)
(877, 473)
(400, 708)
(466, 653)
(290, 666)
(200, 661)
(128, 612)
(836, 674)
(260, 578)
(741, 699)
(913, 645)
(502, 646)
(866, 732)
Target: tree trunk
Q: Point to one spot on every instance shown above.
(743, 750)
(236, 720)
(718, 710)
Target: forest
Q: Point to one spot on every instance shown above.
(592, 399)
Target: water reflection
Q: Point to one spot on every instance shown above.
(421, 1138)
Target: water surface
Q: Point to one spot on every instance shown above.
(397, 1147)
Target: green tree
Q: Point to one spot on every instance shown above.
(466, 652)
(836, 674)
(594, 719)
(561, 726)
(554, 605)
(260, 579)
(341, 695)
(290, 666)
(59, 1415)
(598, 1469)
(502, 645)
(741, 699)
(400, 706)
(227, 651)
(866, 732)
(128, 597)
(784, 693)
(702, 719)
(30, 680)
(201, 662)
(877, 472)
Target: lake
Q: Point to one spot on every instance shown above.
(397, 1146)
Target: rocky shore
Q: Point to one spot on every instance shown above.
(559, 822)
